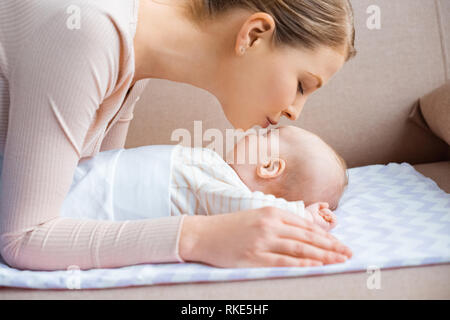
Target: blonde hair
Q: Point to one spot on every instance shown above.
(299, 23)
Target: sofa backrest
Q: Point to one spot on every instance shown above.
(363, 110)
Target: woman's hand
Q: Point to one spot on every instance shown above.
(265, 237)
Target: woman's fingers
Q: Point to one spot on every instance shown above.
(280, 260)
(306, 251)
(300, 229)
(294, 220)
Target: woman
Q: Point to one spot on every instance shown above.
(70, 73)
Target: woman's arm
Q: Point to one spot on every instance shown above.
(117, 135)
(60, 79)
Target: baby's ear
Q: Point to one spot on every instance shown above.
(271, 169)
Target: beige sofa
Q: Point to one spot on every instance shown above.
(362, 112)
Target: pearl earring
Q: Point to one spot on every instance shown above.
(242, 49)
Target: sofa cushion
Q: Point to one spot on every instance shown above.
(435, 108)
(438, 171)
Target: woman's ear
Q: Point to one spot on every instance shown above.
(259, 24)
(271, 169)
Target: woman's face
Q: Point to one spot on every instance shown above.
(265, 83)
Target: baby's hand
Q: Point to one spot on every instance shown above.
(323, 216)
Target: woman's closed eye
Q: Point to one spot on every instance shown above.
(300, 87)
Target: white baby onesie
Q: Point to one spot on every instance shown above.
(161, 180)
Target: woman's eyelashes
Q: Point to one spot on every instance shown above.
(300, 87)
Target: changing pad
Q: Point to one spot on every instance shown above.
(390, 216)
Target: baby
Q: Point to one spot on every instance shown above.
(303, 168)
(294, 170)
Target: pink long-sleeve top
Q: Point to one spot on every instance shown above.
(66, 67)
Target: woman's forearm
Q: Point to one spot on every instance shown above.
(64, 242)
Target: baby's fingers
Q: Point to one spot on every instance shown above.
(323, 205)
(327, 214)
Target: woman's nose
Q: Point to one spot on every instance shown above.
(292, 112)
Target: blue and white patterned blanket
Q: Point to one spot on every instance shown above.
(390, 216)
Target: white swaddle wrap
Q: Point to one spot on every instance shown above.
(118, 185)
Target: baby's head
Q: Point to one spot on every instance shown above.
(293, 164)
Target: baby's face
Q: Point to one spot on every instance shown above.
(291, 163)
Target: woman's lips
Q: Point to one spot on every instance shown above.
(269, 122)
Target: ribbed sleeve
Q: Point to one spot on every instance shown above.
(56, 89)
(116, 137)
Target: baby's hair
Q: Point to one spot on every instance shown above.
(343, 164)
(344, 180)
(291, 179)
